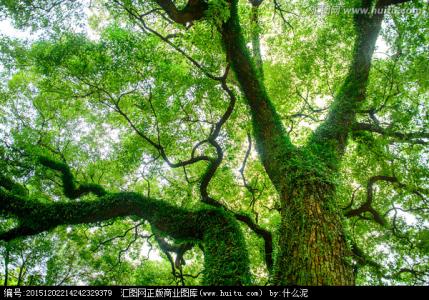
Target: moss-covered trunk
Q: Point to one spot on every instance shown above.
(312, 249)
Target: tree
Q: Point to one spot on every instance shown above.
(149, 124)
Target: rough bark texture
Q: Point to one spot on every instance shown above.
(312, 246)
(312, 249)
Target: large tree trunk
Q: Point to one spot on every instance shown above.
(311, 246)
(312, 249)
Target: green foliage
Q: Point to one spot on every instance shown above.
(218, 12)
(63, 137)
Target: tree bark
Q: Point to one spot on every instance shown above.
(312, 246)
(311, 249)
(256, 41)
(225, 253)
(273, 144)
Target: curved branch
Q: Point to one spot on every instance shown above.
(266, 121)
(194, 10)
(215, 163)
(72, 191)
(226, 263)
(367, 206)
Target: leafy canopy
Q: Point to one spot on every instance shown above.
(91, 80)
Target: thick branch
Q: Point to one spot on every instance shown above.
(255, 36)
(226, 261)
(333, 132)
(273, 144)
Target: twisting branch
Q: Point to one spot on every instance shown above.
(213, 163)
(367, 206)
(70, 189)
(265, 234)
(225, 263)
